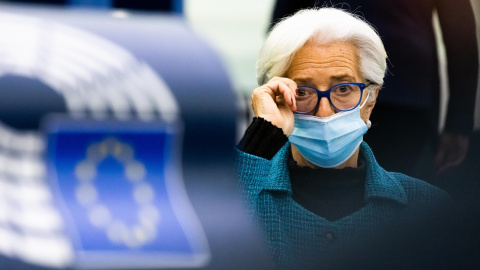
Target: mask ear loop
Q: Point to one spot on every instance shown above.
(367, 122)
(365, 102)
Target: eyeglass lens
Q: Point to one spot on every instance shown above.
(343, 97)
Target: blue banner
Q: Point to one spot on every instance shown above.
(122, 194)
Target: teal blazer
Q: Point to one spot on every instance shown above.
(300, 239)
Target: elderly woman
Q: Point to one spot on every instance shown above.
(314, 186)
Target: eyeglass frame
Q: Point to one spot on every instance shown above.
(326, 93)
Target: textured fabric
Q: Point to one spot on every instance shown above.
(262, 139)
(338, 192)
(300, 239)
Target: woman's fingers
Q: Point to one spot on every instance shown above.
(263, 101)
(286, 88)
(276, 87)
(275, 101)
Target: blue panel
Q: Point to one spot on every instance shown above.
(122, 191)
(177, 6)
(91, 3)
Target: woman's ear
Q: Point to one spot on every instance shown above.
(366, 111)
(374, 98)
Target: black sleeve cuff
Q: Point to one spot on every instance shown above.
(262, 139)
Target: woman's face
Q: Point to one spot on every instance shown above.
(322, 66)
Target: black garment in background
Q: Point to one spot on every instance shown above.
(162, 5)
(403, 140)
(144, 4)
(405, 119)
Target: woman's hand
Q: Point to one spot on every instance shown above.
(275, 102)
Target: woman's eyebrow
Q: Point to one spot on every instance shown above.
(303, 81)
(334, 78)
(342, 77)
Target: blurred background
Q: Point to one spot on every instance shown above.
(88, 87)
(237, 31)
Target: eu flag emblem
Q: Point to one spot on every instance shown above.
(121, 193)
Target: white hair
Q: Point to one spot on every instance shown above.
(321, 26)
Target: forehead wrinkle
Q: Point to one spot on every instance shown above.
(326, 62)
(333, 61)
(301, 70)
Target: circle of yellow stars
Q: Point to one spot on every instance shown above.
(135, 235)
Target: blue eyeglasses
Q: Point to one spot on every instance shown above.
(343, 97)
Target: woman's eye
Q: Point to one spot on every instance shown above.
(343, 88)
(301, 93)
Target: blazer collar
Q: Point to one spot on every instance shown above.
(279, 178)
(378, 184)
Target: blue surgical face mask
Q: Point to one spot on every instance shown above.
(328, 141)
